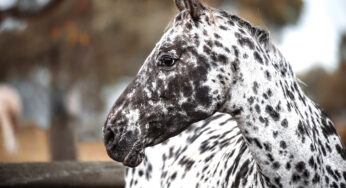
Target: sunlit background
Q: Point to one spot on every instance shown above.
(64, 62)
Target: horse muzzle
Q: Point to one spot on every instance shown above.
(125, 147)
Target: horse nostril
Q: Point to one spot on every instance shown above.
(109, 137)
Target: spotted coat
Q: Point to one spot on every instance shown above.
(211, 62)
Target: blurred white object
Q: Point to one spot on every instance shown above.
(10, 108)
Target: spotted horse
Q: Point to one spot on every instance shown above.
(217, 105)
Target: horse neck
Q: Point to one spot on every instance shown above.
(272, 83)
(279, 123)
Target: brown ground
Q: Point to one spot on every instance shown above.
(34, 147)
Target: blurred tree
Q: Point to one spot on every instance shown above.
(28, 8)
(62, 137)
(313, 79)
(319, 84)
(33, 48)
(277, 13)
(335, 102)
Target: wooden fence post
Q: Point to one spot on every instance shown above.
(62, 174)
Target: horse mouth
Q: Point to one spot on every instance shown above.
(125, 146)
(131, 158)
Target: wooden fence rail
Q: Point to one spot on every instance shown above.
(62, 174)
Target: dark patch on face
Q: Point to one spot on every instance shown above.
(196, 39)
(300, 166)
(301, 128)
(205, 33)
(267, 147)
(202, 96)
(230, 22)
(342, 153)
(269, 92)
(255, 87)
(224, 13)
(272, 113)
(332, 173)
(188, 107)
(326, 179)
(140, 173)
(258, 109)
(209, 43)
(188, 26)
(223, 27)
(283, 144)
(187, 89)
(311, 162)
(295, 178)
(235, 66)
(237, 35)
(306, 174)
(214, 58)
(290, 94)
(277, 180)
(148, 171)
(257, 57)
(251, 100)
(206, 49)
(328, 128)
(218, 44)
(177, 46)
(245, 41)
(227, 50)
(179, 17)
(235, 18)
(222, 58)
(236, 51)
(258, 143)
(270, 157)
(267, 75)
(276, 165)
(237, 112)
(316, 178)
(264, 121)
(284, 123)
(207, 20)
(173, 85)
(241, 30)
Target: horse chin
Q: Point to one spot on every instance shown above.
(135, 156)
(131, 158)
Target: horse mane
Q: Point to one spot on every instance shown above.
(261, 35)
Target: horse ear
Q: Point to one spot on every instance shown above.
(194, 6)
(180, 4)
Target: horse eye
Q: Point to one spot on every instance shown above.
(167, 61)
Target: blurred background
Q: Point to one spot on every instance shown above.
(64, 62)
